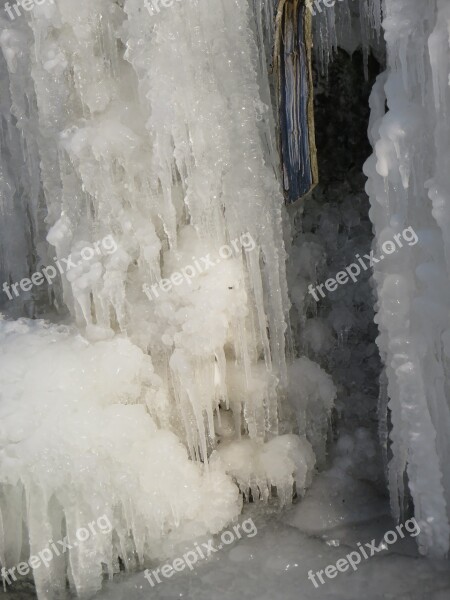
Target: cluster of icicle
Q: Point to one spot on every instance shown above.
(347, 24)
(153, 128)
(409, 186)
(144, 126)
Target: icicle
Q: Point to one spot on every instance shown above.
(152, 131)
(412, 284)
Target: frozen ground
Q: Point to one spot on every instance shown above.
(340, 510)
(318, 531)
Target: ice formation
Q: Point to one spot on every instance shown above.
(77, 442)
(409, 185)
(346, 25)
(257, 468)
(143, 154)
(152, 128)
(157, 128)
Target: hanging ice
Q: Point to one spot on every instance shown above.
(409, 186)
(144, 127)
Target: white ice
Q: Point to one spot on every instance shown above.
(153, 129)
(409, 186)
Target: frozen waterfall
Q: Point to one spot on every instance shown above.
(149, 374)
(139, 155)
(409, 185)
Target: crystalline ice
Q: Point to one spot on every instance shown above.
(77, 443)
(151, 129)
(410, 162)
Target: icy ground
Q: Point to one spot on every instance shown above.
(339, 510)
(325, 526)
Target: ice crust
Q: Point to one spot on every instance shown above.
(77, 442)
(256, 468)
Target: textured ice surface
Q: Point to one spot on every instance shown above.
(409, 186)
(144, 127)
(323, 528)
(77, 442)
(256, 467)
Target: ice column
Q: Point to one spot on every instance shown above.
(145, 133)
(149, 127)
(409, 187)
(22, 240)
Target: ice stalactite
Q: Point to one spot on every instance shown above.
(91, 449)
(149, 155)
(152, 129)
(20, 187)
(224, 184)
(409, 187)
(346, 25)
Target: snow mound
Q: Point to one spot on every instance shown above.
(77, 442)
